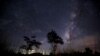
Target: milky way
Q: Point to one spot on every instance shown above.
(20, 18)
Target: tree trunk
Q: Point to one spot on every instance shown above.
(54, 46)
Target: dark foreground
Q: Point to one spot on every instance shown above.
(63, 54)
(87, 52)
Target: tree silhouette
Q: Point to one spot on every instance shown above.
(30, 43)
(54, 40)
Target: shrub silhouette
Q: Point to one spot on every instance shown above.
(88, 51)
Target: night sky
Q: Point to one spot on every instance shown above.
(78, 18)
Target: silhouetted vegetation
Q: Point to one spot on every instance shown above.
(87, 52)
(30, 43)
(54, 40)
